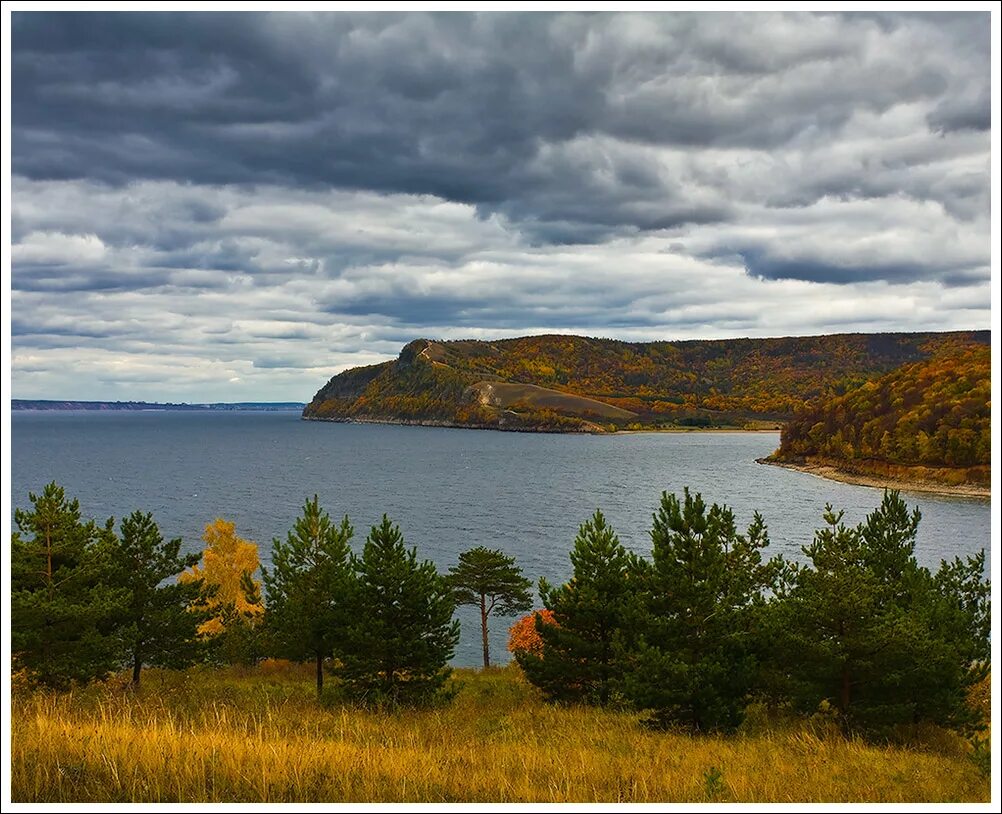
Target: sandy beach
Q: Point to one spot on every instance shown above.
(825, 470)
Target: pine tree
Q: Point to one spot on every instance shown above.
(583, 652)
(64, 616)
(402, 633)
(161, 618)
(493, 582)
(307, 587)
(696, 663)
(957, 611)
(884, 641)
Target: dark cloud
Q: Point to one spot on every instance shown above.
(62, 279)
(530, 115)
(971, 111)
(237, 205)
(779, 268)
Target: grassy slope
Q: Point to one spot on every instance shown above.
(726, 382)
(513, 396)
(260, 736)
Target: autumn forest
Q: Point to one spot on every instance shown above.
(872, 402)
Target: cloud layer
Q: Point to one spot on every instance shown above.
(236, 206)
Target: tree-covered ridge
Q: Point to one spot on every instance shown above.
(935, 414)
(698, 382)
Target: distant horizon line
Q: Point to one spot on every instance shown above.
(22, 401)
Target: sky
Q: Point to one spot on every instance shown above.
(236, 206)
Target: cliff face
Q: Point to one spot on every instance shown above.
(571, 383)
(350, 384)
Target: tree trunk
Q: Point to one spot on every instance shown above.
(137, 665)
(844, 699)
(320, 674)
(483, 630)
(48, 568)
(603, 670)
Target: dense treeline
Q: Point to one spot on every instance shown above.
(87, 602)
(688, 383)
(707, 624)
(935, 413)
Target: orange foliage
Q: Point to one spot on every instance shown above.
(935, 413)
(226, 559)
(276, 667)
(692, 383)
(523, 636)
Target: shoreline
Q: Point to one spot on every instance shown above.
(451, 425)
(401, 422)
(677, 430)
(831, 472)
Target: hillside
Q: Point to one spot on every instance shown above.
(570, 383)
(925, 421)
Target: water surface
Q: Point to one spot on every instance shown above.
(449, 489)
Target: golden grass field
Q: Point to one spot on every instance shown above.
(259, 735)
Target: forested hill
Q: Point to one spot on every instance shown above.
(929, 420)
(573, 383)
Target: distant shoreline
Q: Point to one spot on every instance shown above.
(54, 405)
(830, 472)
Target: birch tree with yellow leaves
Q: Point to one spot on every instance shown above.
(233, 594)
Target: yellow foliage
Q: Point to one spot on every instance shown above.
(226, 559)
(211, 736)
(661, 381)
(980, 697)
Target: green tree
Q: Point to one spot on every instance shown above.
(401, 634)
(582, 657)
(696, 662)
(242, 638)
(161, 617)
(491, 580)
(305, 614)
(64, 615)
(957, 612)
(864, 628)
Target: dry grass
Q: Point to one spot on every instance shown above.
(206, 735)
(531, 396)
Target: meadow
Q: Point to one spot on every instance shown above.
(259, 734)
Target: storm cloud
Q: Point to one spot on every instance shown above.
(237, 205)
